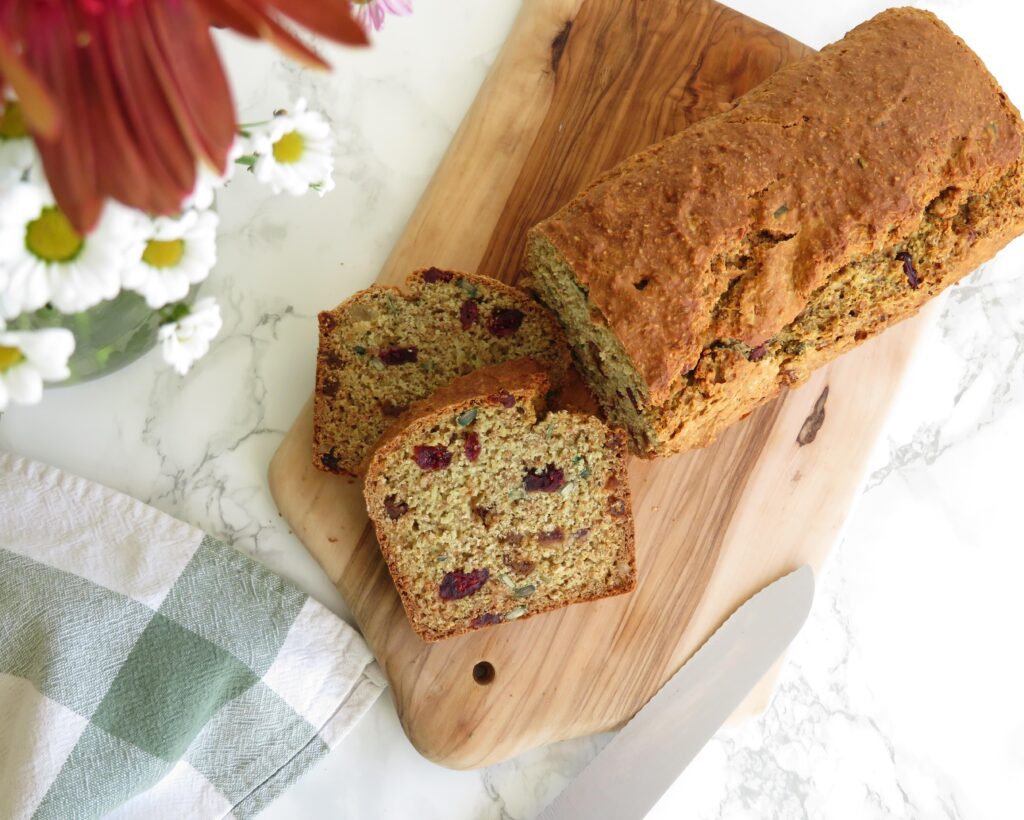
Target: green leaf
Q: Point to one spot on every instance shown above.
(103, 356)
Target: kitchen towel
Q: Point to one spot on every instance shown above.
(148, 670)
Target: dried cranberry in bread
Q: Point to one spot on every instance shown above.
(487, 510)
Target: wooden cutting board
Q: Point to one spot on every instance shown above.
(578, 86)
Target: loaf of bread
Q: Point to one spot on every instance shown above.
(701, 276)
(488, 512)
(382, 349)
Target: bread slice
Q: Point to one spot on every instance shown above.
(383, 349)
(700, 277)
(487, 510)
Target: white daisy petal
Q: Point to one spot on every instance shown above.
(187, 340)
(77, 286)
(24, 383)
(27, 287)
(17, 151)
(208, 181)
(17, 156)
(38, 356)
(19, 205)
(48, 350)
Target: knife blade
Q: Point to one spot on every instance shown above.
(646, 757)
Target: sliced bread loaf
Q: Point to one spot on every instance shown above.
(383, 349)
(488, 510)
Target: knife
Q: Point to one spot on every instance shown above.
(644, 759)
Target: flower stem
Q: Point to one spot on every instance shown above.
(174, 313)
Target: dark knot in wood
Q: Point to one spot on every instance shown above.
(812, 424)
(558, 45)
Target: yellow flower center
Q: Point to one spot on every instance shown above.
(51, 237)
(163, 253)
(12, 123)
(10, 356)
(289, 148)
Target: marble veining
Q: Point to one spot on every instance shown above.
(901, 697)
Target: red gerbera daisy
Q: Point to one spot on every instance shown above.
(126, 97)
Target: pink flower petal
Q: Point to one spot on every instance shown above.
(399, 8)
(374, 12)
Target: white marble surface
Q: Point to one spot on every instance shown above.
(901, 698)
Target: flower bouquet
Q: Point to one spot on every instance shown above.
(117, 127)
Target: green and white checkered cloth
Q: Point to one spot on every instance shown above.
(148, 670)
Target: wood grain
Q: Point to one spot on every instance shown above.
(579, 86)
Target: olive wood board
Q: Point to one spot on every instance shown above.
(578, 86)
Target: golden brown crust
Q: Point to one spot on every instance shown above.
(726, 229)
(527, 382)
(575, 395)
(734, 386)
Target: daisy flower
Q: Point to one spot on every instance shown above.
(179, 252)
(372, 12)
(44, 259)
(30, 357)
(186, 337)
(293, 152)
(17, 152)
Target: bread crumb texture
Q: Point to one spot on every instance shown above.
(488, 511)
(703, 275)
(383, 349)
